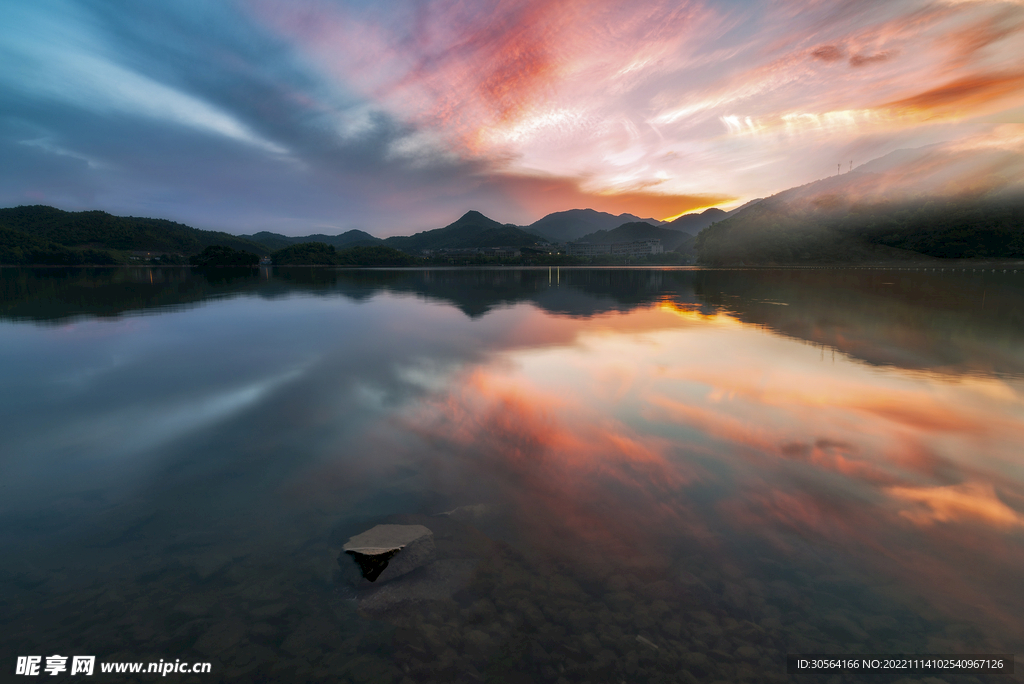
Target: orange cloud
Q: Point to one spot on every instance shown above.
(969, 502)
(860, 60)
(977, 92)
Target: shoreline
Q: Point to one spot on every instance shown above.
(930, 265)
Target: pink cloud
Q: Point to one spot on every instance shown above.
(627, 103)
(860, 60)
(828, 53)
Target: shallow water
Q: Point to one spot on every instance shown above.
(631, 475)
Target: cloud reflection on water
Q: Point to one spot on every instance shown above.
(646, 436)
(629, 440)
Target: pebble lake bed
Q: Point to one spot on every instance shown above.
(622, 475)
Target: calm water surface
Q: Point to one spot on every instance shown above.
(631, 475)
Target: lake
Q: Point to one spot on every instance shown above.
(631, 475)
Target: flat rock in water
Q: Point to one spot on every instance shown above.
(385, 552)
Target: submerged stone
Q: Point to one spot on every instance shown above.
(373, 564)
(385, 552)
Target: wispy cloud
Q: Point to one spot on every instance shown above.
(974, 93)
(78, 73)
(404, 116)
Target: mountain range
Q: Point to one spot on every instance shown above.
(46, 235)
(565, 226)
(950, 200)
(276, 241)
(473, 229)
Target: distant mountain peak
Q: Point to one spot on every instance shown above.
(696, 222)
(474, 218)
(472, 229)
(572, 224)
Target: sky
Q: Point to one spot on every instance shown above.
(324, 116)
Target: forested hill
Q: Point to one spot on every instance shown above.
(573, 224)
(21, 248)
(473, 229)
(99, 231)
(825, 222)
(694, 223)
(639, 230)
(350, 238)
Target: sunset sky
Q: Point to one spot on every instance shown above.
(395, 117)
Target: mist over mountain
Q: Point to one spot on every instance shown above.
(743, 206)
(565, 226)
(953, 200)
(694, 223)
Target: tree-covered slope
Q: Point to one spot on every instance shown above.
(832, 221)
(217, 255)
(563, 226)
(638, 230)
(321, 254)
(276, 241)
(100, 230)
(22, 249)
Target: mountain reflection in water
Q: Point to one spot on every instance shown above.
(658, 475)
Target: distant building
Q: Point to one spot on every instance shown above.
(459, 252)
(637, 248)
